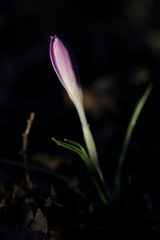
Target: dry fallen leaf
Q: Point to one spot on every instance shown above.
(39, 223)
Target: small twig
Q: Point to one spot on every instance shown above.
(26, 133)
(25, 143)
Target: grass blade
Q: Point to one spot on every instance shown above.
(132, 123)
(96, 179)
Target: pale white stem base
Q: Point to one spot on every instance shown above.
(88, 138)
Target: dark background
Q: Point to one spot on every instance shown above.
(117, 48)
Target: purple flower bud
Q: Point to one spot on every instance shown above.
(63, 66)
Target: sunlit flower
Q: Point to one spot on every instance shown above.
(63, 66)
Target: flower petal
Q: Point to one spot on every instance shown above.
(62, 64)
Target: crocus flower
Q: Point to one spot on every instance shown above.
(63, 66)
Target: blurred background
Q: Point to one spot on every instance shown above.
(117, 48)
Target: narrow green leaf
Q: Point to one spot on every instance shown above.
(77, 148)
(132, 123)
